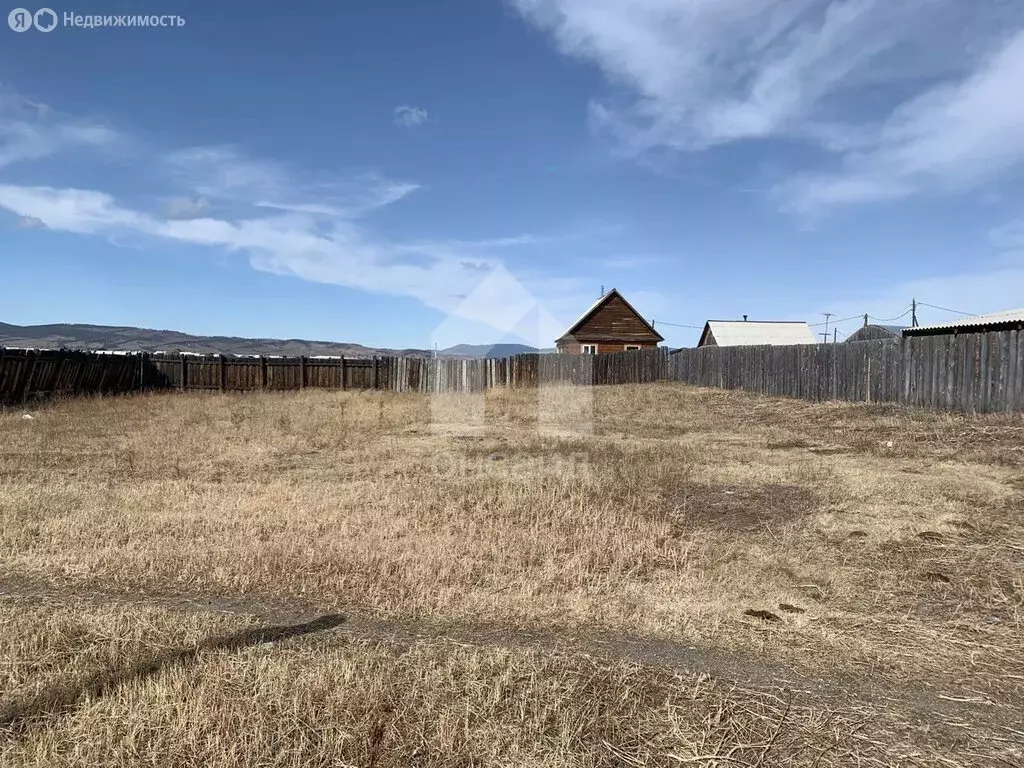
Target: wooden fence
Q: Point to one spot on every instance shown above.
(27, 374)
(32, 374)
(970, 372)
(975, 372)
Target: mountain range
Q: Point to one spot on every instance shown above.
(128, 338)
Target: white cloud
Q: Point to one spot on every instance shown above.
(924, 88)
(313, 226)
(342, 254)
(953, 137)
(31, 222)
(227, 175)
(410, 117)
(186, 207)
(31, 131)
(224, 172)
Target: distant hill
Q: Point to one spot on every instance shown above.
(490, 350)
(128, 338)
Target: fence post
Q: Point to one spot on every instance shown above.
(374, 372)
(80, 374)
(184, 372)
(867, 377)
(55, 388)
(104, 370)
(27, 386)
(302, 371)
(344, 385)
(263, 372)
(223, 373)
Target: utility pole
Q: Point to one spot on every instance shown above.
(865, 319)
(824, 334)
(835, 333)
(913, 313)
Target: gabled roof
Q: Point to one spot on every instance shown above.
(593, 308)
(1010, 317)
(737, 333)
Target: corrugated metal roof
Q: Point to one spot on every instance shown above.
(737, 333)
(1009, 316)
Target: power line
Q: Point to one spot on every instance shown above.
(835, 322)
(954, 311)
(677, 325)
(890, 319)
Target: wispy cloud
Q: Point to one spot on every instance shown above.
(318, 226)
(228, 175)
(284, 221)
(410, 117)
(186, 207)
(283, 245)
(31, 131)
(31, 222)
(902, 95)
(952, 137)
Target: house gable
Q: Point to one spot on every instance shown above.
(707, 338)
(612, 318)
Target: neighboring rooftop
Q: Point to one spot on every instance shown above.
(737, 333)
(995, 321)
(873, 332)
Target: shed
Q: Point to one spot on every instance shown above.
(740, 333)
(870, 332)
(610, 324)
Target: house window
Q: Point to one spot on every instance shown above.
(588, 349)
(629, 347)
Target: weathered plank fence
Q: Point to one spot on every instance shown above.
(970, 372)
(975, 372)
(28, 374)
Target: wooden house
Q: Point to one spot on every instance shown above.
(609, 325)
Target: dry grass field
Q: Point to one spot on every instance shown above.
(346, 579)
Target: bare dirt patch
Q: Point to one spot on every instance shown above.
(743, 508)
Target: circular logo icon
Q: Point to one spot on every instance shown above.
(20, 19)
(45, 20)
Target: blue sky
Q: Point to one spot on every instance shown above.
(396, 173)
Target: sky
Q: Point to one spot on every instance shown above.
(400, 173)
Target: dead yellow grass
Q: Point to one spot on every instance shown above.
(891, 537)
(112, 687)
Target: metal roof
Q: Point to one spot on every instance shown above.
(995, 318)
(737, 333)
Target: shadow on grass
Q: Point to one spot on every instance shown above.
(16, 716)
